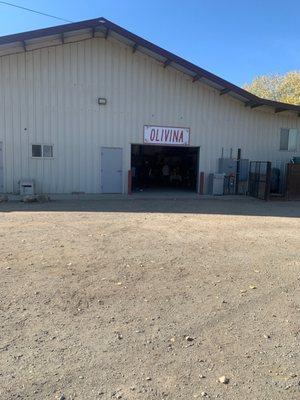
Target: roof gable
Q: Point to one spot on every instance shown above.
(101, 27)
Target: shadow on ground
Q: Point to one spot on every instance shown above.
(221, 206)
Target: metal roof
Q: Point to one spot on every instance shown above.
(66, 33)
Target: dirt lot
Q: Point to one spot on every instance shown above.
(140, 299)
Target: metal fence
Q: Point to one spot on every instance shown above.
(260, 179)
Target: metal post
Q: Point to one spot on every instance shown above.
(129, 182)
(201, 183)
(238, 171)
(268, 180)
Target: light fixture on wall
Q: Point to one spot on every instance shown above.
(102, 101)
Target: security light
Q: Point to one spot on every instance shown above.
(102, 101)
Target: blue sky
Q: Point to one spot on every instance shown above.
(236, 40)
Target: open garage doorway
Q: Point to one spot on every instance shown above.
(164, 168)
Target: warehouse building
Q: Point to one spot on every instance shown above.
(89, 107)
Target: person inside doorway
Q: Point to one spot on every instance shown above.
(175, 177)
(145, 174)
(166, 174)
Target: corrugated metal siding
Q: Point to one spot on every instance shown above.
(50, 96)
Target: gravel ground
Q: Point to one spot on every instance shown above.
(150, 299)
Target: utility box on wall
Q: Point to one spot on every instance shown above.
(26, 187)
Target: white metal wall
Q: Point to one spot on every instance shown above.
(50, 96)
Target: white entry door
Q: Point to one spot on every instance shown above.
(111, 170)
(1, 168)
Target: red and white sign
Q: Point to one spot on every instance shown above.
(166, 135)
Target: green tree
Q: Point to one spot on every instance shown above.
(284, 88)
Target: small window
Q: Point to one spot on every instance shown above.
(289, 139)
(36, 150)
(42, 150)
